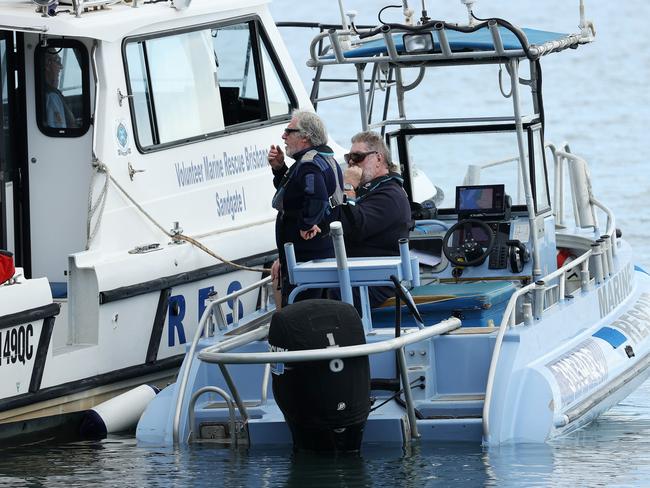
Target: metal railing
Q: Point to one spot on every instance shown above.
(339, 40)
(584, 210)
(584, 203)
(231, 411)
(599, 257)
(206, 326)
(217, 354)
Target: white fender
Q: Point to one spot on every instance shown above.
(117, 414)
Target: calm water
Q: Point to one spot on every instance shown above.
(611, 452)
(609, 129)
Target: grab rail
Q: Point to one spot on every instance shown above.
(204, 327)
(596, 254)
(214, 354)
(565, 154)
(231, 410)
(508, 320)
(600, 254)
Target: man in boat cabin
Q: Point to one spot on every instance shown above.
(377, 213)
(57, 113)
(306, 198)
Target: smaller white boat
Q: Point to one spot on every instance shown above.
(118, 170)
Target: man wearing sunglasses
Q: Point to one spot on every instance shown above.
(306, 197)
(378, 212)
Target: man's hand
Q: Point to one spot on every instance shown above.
(311, 233)
(275, 157)
(275, 270)
(352, 176)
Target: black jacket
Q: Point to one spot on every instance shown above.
(379, 218)
(373, 226)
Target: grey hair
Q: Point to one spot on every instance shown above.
(310, 126)
(375, 142)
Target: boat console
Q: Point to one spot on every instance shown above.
(482, 234)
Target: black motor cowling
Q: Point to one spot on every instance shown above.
(325, 403)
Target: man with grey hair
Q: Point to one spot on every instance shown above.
(378, 213)
(306, 195)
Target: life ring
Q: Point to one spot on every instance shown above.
(564, 256)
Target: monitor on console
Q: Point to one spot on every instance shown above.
(480, 200)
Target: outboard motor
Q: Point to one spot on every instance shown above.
(325, 403)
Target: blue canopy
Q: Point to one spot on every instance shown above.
(479, 40)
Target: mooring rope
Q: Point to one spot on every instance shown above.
(98, 208)
(91, 231)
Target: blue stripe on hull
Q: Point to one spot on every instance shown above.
(614, 337)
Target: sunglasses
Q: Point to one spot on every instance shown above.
(288, 130)
(357, 157)
(55, 62)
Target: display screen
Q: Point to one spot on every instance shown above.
(480, 199)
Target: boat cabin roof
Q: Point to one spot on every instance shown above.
(112, 22)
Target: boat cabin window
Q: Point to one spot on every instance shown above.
(62, 88)
(222, 79)
(452, 157)
(279, 103)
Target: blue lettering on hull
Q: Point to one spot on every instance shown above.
(176, 314)
(177, 307)
(233, 287)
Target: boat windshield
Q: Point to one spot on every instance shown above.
(455, 156)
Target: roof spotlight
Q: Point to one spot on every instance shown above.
(418, 43)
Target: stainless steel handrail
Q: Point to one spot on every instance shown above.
(182, 384)
(560, 155)
(508, 321)
(231, 410)
(214, 354)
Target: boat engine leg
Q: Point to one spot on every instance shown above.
(325, 403)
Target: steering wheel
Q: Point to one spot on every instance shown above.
(473, 242)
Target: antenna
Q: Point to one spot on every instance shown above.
(425, 15)
(470, 5)
(408, 13)
(587, 27)
(345, 39)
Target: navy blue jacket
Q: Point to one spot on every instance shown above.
(305, 203)
(376, 223)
